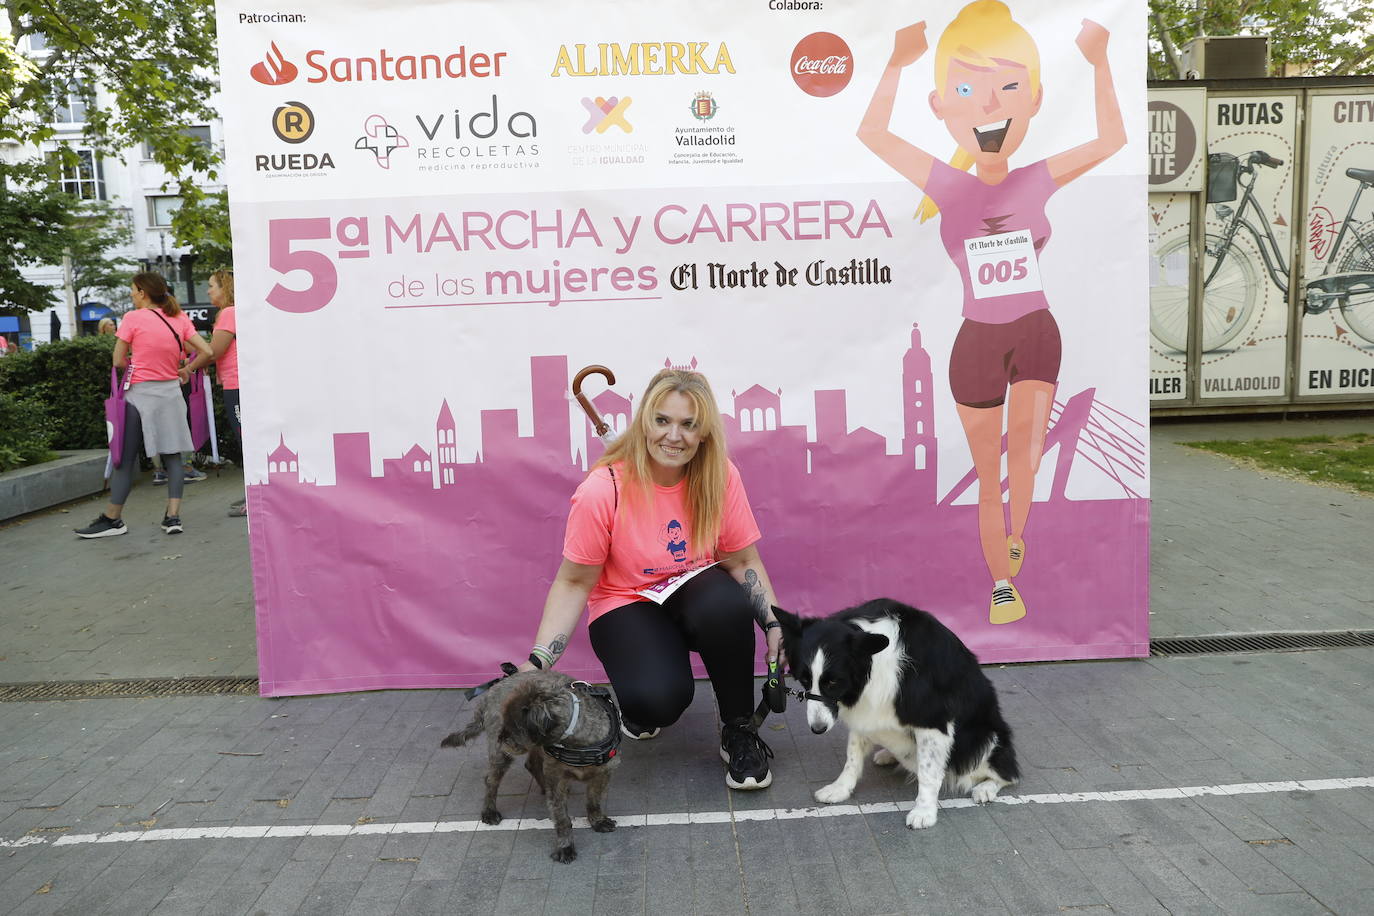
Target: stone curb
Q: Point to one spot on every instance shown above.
(71, 476)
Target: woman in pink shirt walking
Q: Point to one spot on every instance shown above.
(665, 501)
(155, 417)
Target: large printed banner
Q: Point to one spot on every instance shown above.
(1249, 251)
(1337, 298)
(1177, 157)
(443, 210)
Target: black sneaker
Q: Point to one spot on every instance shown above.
(103, 527)
(636, 732)
(746, 756)
(171, 524)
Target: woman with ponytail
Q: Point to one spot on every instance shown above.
(664, 501)
(158, 335)
(1007, 351)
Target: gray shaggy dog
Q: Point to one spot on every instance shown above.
(523, 714)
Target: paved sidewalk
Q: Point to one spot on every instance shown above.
(1234, 550)
(215, 795)
(143, 604)
(1214, 784)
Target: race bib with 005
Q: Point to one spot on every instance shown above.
(1002, 265)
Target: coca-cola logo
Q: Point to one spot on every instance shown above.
(822, 64)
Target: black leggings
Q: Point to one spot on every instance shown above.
(231, 408)
(644, 648)
(122, 480)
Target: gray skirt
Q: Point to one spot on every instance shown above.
(163, 412)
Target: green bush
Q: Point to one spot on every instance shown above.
(70, 379)
(25, 432)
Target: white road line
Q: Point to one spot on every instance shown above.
(685, 817)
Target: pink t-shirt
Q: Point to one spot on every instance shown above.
(156, 353)
(638, 548)
(985, 218)
(228, 365)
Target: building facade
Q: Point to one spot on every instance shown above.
(140, 192)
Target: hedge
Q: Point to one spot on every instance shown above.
(71, 379)
(25, 432)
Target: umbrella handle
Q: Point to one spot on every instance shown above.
(597, 423)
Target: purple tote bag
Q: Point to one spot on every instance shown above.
(114, 418)
(199, 403)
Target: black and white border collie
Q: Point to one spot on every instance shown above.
(901, 680)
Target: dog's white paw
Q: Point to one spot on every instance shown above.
(835, 792)
(985, 791)
(883, 757)
(921, 818)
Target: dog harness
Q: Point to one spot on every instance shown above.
(592, 755)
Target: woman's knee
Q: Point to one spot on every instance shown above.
(654, 703)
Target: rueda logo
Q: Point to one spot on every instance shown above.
(604, 113)
(822, 64)
(293, 122)
(274, 69)
(380, 139)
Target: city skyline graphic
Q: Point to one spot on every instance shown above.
(422, 565)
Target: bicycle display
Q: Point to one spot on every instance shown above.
(1347, 281)
(1231, 276)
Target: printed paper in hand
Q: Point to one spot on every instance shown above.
(660, 592)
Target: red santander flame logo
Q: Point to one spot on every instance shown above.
(274, 69)
(822, 64)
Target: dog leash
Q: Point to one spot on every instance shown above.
(776, 692)
(507, 670)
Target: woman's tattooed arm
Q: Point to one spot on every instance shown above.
(758, 597)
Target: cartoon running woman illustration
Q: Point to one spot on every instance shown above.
(993, 225)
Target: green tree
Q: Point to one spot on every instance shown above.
(33, 222)
(156, 59)
(96, 275)
(1325, 37)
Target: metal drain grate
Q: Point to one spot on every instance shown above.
(1260, 642)
(129, 689)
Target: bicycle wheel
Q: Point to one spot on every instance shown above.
(1169, 294)
(1229, 299)
(1358, 307)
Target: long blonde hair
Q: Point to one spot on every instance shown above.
(225, 279)
(982, 34)
(709, 469)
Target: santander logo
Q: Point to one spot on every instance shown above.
(822, 64)
(274, 69)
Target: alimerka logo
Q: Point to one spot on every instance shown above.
(646, 58)
(822, 64)
(274, 69)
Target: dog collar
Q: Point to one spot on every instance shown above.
(592, 755)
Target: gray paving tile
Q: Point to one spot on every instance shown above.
(329, 898)
(426, 898)
(478, 886)
(716, 890)
(1124, 892)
